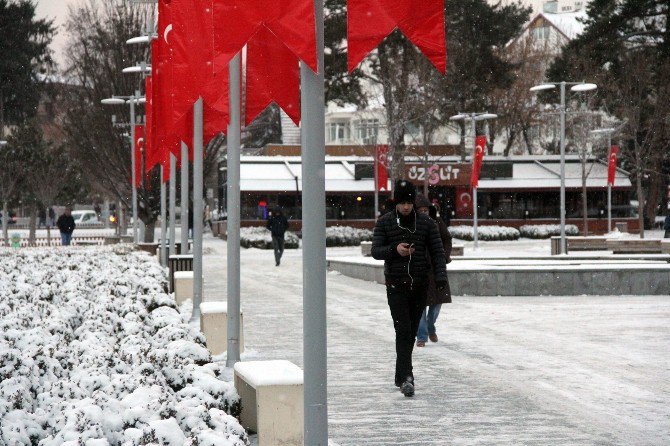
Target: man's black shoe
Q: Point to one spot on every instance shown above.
(407, 388)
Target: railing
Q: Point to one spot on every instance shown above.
(56, 241)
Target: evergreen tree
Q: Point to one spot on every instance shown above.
(25, 56)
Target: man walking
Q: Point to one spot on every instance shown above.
(404, 239)
(66, 226)
(278, 224)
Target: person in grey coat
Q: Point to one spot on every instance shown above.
(436, 297)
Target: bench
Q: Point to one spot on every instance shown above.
(214, 325)
(183, 262)
(85, 242)
(635, 246)
(578, 243)
(272, 401)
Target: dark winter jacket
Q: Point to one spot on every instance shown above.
(278, 225)
(436, 296)
(666, 225)
(66, 224)
(442, 296)
(391, 230)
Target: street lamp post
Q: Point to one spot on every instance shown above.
(576, 87)
(131, 100)
(608, 132)
(474, 117)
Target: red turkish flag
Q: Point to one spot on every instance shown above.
(191, 40)
(477, 160)
(273, 75)
(422, 21)
(291, 21)
(150, 133)
(611, 166)
(140, 146)
(167, 134)
(381, 158)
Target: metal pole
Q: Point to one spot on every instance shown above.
(184, 199)
(172, 201)
(132, 161)
(563, 245)
(376, 185)
(233, 211)
(197, 207)
(314, 246)
(609, 189)
(163, 219)
(474, 189)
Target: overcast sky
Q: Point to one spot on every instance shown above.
(57, 10)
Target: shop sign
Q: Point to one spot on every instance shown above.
(440, 174)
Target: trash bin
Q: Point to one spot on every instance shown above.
(15, 240)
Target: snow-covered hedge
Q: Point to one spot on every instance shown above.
(487, 233)
(346, 236)
(93, 352)
(546, 231)
(258, 237)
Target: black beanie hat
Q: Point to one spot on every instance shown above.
(404, 192)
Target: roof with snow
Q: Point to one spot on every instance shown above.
(284, 173)
(570, 24)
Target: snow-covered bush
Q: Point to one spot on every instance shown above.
(258, 237)
(346, 236)
(546, 231)
(486, 233)
(93, 352)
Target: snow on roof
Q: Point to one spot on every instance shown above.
(547, 175)
(569, 23)
(278, 174)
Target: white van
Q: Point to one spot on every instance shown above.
(86, 218)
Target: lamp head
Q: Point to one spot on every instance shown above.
(543, 87)
(583, 87)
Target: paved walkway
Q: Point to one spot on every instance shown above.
(531, 371)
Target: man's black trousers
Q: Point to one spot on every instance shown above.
(406, 304)
(278, 245)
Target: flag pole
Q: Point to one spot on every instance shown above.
(314, 247)
(197, 206)
(184, 199)
(172, 200)
(163, 247)
(233, 210)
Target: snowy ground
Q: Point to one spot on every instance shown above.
(535, 371)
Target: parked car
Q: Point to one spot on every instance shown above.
(86, 218)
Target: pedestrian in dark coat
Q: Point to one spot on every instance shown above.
(666, 226)
(66, 227)
(436, 297)
(278, 225)
(405, 240)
